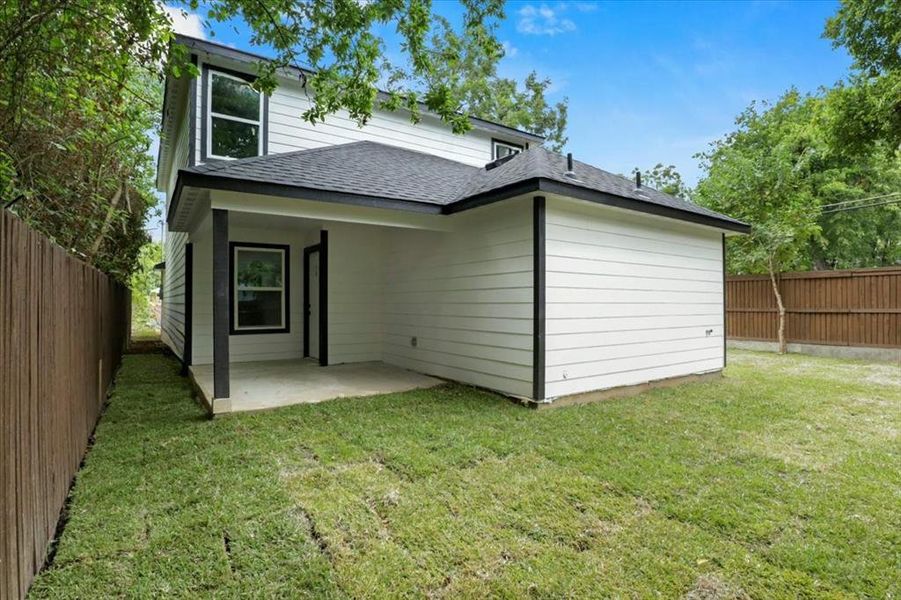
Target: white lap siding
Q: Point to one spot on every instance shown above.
(356, 270)
(247, 347)
(630, 298)
(172, 315)
(466, 296)
(288, 131)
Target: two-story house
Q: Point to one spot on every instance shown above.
(481, 258)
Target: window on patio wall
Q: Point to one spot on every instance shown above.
(259, 284)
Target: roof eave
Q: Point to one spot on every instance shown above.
(552, 186)
(233, 184)
(526, 186)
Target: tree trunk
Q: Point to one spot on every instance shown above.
(109, 217)
(783, 347)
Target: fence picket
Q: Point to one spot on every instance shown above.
(859, 307)
(52, 309)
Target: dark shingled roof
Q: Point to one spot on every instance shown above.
(378, 170)
(366, 168)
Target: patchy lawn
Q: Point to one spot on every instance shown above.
(781, 480)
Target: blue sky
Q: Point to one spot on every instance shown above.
(653, 82)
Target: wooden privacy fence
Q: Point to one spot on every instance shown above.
(63, 327)
(860, 307)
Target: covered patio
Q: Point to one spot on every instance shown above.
(260, 385)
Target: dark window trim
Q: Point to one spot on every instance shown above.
(496, 141)
(204, 112)
(322, 249)
(233, 330)
(192, 115)
(539, 296)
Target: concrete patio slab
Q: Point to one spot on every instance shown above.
(270, 384)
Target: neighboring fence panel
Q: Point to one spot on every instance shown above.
(839, 308)
(63, 326)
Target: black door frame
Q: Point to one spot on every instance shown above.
(322, 249)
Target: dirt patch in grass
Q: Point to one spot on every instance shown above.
(712, 587)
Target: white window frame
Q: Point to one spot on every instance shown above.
(244, 288)
(210, 114)
(495, 144)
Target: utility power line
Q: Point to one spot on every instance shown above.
(871, 205)
(836, 204)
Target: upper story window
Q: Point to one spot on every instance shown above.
(501, 149)
(234, 118)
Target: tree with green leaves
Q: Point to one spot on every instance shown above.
(486, 95)
(665, 179)
(348, 60)
(145, 283)
(868, 111)
(80, 89)
(764, 174)
(77, 98)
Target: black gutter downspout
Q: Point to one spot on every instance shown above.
(538, 296)
(221, 305)
(187, 354)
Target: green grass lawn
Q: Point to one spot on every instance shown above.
(781, 480)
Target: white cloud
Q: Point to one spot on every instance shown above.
(585, 6)
(185, 23)
(543, 20)
(509, 49)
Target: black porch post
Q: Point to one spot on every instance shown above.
(221, 304)
(538, 297)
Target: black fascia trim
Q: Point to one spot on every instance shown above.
(307, 252)
(233, 330)
(490, 197)
(245, 57)
(556, 187)
(187, 353)
(539, 295)
(535, 184)
(232, 184)
(725, 314)
(204, 113)
(323, 298)
(173, 204)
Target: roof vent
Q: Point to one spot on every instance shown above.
(637, 180)
(498, 162)
(569, 166)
